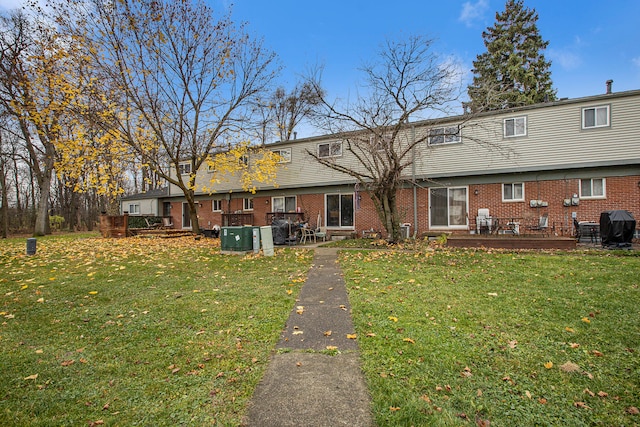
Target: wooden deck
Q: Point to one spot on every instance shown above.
(511, 242)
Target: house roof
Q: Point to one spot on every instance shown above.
(151, 194)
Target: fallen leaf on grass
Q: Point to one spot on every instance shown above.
(586, 320)
(548, 365)
(568, 329)
(289, 291)
(96, 423)
(93, 292)
(603, 394)
(581, 405)
(68, 362)
(542, 400)
(393, 319)
(633, 410)
(513, 344)
(394, 408)
(569, 367)
(597, 353)
(574, 345)
(589, 392)
(409, 340)
(31, 377)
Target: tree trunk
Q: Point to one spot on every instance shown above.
(4, 209)
(193, 212)
(41, 227)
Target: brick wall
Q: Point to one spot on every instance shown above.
(621, 193)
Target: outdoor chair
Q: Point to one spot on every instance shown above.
(307, 233)
(321, 233)
(484, 222)
(542, 226)
(167, 222)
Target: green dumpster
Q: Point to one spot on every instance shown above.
(236, 239)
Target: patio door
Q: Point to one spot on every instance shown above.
(339, 210)
(448, 207)
(186, 216)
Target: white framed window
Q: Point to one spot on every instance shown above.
(247, 204)
(283, 204)
(513, 192)
(211, 168)
(216, 205)
(134, 209)
(339, 210)
(595, 117)
(515, 126)
(284, 153)
(444, 135)
(184, 168)
(380, 142)
(330, 149)
(448, 207)
(592, 188)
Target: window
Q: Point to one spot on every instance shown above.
(381, 143)
(243, 160)
(513, 192)
(134, 208)
(444, 135)
(283, 204)
(211, 167)
(216, 205)
(248, 204)
(339, 210)
(516, 126)
(595, 117)
(592, 188)
(184, 168)
(448, 207)
(284, 153)
(330, 149)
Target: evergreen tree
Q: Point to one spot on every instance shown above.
(513, 71)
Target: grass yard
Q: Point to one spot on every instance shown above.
(475, 338)
(137, 331)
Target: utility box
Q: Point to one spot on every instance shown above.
(236, 239)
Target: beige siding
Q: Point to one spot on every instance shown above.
(554, 140)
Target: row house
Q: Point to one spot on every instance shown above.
(567, 161)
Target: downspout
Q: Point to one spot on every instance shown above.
(413, 180)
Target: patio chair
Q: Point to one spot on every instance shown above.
(542, 226)
(321, 233)
(167, 222)
(307, 233)
(484, 222)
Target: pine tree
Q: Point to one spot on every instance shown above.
(513, 71)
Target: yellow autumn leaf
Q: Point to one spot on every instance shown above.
(93, 292)
(568, 329)
(408, 340)
(394, 408)
(332, 347)
(586, 320)
(31, 377)
(352, 336)
(289, 291)
(548, 365)
(393, 319)
(24, 287)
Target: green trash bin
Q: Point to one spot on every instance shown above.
(236, 239)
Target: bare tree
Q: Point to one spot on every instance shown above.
(406, 82)
(291, 108)
(178, 81)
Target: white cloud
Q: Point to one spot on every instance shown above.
(567, 59)
(472, 12)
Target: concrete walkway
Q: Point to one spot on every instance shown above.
(303, 387)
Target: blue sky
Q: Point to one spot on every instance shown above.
(590, 41)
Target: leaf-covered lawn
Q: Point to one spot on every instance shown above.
(137, 331)
(472, 338)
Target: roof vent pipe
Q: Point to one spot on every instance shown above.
(609, 83)
(295, 135)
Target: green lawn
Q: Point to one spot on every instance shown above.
(137, 331)
(169, 332)
(454, 338)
